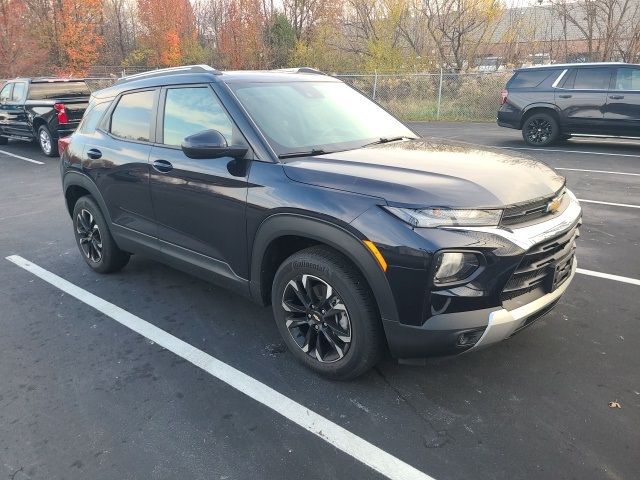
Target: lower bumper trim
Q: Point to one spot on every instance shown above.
(504, 323)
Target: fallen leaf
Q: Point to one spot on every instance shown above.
(614, 404)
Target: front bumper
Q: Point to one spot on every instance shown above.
(445, 333)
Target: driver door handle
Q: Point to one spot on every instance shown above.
(162, 166)
(616, 97)
(566, 95)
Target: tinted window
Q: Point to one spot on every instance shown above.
(18, 91)
(5, 93)
(531, 78)
(92, 117)
(628, 79)
(131, 119)
(592, 79)
(192, 110)
(49, 90)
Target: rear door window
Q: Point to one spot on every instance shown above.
(131, 119)
(627, 79)
(591, 79)
(531, 78)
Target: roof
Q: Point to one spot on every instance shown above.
(579, 64)
(205, 74)
(45, 79)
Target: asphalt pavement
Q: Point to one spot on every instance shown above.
(84, 397)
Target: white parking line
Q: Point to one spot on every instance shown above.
(609, 203)
(572, 151)
(21, 158)
(597, 171)
(608, 276)
(339, 437)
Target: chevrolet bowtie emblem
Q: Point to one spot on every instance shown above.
(554, 205)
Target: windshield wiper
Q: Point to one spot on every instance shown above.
(387, 140)
(315, 151)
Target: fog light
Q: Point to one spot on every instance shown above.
(454, 267)
(468, 339)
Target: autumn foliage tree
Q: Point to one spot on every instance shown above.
(78, 36)
(169, 31)
(19, 51)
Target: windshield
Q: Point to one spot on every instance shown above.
(316, 117)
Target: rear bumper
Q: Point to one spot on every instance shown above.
(509, 118)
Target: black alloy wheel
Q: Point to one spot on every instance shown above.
(540, 130)
(89, 236)
(326, 313)
(317, 319)
(97, 246)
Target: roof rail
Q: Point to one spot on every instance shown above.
(300, 70)
(170, 71)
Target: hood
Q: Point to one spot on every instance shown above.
(431, 172)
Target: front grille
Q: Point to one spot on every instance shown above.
(545, 266)
(526, 212)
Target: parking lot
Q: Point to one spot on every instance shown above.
(88, 390)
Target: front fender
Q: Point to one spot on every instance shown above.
(349, 243)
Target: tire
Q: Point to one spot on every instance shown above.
(340, 345)
(4, 140)
(94, 239)
(47, 144)
(540, 130)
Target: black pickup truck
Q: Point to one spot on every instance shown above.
(42, 109)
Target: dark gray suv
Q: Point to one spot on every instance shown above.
(554, 102)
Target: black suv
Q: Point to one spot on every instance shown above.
(42, 109)
(553, 102)
(295, 190)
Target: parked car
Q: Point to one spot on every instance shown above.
(553, 102)
(295, 190)
(42, 109)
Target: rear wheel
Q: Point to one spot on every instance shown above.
(326, 313)
(94, 239)
(540, 130)
(47, 144)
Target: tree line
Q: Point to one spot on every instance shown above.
(69, 37)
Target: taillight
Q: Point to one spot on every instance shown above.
(63, 143)
(61, 112)
(503, 96)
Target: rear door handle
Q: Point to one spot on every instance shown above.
(565, 96)
(94, 153)
(616, 97)
(162, 166)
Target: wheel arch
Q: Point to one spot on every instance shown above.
(76, 185)
(534, 108)
(267, 254)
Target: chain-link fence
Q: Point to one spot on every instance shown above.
(434, 96)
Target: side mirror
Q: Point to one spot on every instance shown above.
(210, 144)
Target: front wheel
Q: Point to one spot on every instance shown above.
(540, 130)
(326, 313)
(47, 144)
(94, 239)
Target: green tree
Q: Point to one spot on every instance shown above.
(280, 40)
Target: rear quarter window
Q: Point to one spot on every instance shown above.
(92, 117)
(53, 90)
(531, 78)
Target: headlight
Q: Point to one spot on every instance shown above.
(446, 217)
(455, 267)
